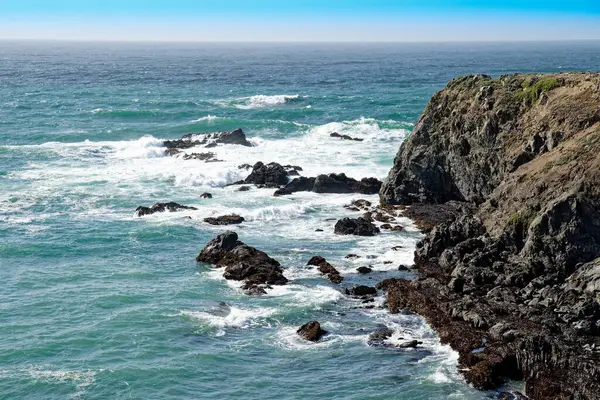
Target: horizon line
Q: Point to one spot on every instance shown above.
(195, 41)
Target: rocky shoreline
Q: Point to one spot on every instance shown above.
(504, 175)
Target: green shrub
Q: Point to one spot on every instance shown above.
(530, 93)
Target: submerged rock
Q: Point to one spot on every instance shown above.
(225, 220)
(379, 337)
(355, 226)
(311, 331)
(345, 137)
(206, 195)
(161, 207)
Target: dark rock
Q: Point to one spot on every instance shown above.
(243, 189)
(201, 157)
(316, 260)
(234, 137)
(364, 270)
(403, 268)
(172, 152)
(355, 226)
(311, 331)
(241, 261)
(352, 256)
(412, 344)
(327, 269)
(361, 290)
(386, 226)
(161, 207)
(332, 183)
(206, 195)
(379, 337)
(345, 137)
(209, 140)
(225, 220)
(270, 174)
(335, 278)
(318, 230)
(507, 272)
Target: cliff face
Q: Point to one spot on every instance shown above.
(512, 278)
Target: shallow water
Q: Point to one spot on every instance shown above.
(97, 303)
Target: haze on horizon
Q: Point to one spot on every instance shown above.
(300, 20)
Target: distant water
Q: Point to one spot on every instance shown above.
(99, 304)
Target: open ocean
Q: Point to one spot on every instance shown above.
(99, 304)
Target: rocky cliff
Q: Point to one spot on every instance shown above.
(511, 276)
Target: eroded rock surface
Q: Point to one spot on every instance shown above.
(505, 175)
(242, 262)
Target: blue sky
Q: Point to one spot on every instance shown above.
(300, 20)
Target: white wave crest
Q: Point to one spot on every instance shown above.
(261, 101)
(208, 118)
(231, 317)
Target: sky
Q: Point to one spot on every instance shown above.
(300, 20)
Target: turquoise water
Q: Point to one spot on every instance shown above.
(99, 304)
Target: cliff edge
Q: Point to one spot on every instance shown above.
(511, 278)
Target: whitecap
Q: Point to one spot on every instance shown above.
(235, 317)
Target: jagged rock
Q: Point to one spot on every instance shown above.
(379, 337)
(412, 344)
(332, 183)
(270, 174)
(208, 157)
(311, 331)
(355, 226)
(208, 140)
(345, 137)
(503, 176)
(327, 269)
(225, 220)
(361, 290)
(161, 207)
(206, 195)
(316, 260)
(364, 270)
(234, 137)
(242, 262)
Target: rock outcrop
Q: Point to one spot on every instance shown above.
(311, 331)
(161, 207)
(207, 140)
(325, 268)
(242, 262)
(506, 175)
(332, 183)
(270, 175)
(231, 219)
(355, 226)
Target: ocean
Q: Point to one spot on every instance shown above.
(97, 303)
